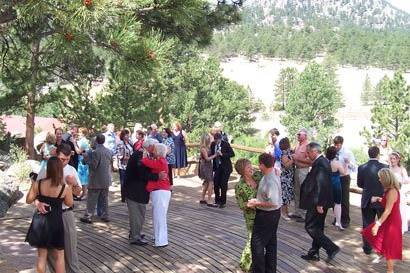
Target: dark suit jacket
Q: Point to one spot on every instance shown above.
(368, 180)
(136, 178)
(316, 189)
(227, 153)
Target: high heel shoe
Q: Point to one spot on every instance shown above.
(339, 227)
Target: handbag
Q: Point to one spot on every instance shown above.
(38, 231)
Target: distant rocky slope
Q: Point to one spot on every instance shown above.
(377, 14)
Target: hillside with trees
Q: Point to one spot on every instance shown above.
(301, 31)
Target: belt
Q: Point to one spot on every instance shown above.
(68, 209)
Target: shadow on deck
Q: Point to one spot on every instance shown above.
(202, 239)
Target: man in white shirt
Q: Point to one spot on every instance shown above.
(70, 232)
(346, 158)
(267, 204)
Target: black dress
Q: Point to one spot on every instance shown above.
(54, 239)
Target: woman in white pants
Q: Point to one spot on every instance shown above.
(160, 193)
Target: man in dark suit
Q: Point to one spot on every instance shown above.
(368, 180)
(222, 167)
(316, 198)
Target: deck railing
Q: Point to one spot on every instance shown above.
(255, 150)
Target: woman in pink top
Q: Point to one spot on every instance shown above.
(160, 193)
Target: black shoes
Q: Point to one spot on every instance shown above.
(105, 220)
(367, 251)
(311, 257)
(331, 255)
(140, 242)
(221, 206)
(212, 205)
(86, 220)
(203, 202)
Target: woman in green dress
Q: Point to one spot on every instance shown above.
(245, 190)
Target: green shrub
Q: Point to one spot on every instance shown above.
(360, 155)
(17, 154)
(249, 141)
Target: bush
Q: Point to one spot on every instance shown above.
(360, 155)
(249, 141)
(20, 168)
(17, 154)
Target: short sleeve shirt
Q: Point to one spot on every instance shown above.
(270, 190)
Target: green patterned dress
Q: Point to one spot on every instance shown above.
(243, 193)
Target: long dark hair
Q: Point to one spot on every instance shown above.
(168, 131)
(55, 171)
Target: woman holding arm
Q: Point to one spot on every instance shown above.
(205, 169)
(246, 190)
(338, 170)
(385, 234)
(52, 191)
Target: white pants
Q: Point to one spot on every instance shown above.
(160, 201)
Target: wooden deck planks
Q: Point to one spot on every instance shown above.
(207, 240)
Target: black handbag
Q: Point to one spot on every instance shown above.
(38, 231)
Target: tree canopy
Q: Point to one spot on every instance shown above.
(391, 113)
(48, 45)
(313, 103)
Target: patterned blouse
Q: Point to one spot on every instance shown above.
(124, 152)
(171, 155)
(243, 193)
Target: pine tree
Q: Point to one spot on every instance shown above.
(314, 102)
(367, 94)
(391, 112)
(283, 86)
(48, 44)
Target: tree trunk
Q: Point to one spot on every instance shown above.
(30, 125)
(31, 101)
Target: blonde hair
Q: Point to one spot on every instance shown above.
(241, 164)
(83, 131)
(205, 141)
(388, 179)
(51, 138)
(177, 126)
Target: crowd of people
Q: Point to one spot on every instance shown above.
(300, 184)
(316, 181)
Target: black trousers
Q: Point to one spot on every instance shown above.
(345, 182)
(264, 241)
(122, 182)
(315, 225)
(221, 177)
(368, 217)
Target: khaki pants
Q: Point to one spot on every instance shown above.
(70, 246)
(300, 175)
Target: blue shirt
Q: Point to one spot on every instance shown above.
(278, 153)
(110, 142)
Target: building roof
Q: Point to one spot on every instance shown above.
(16, 125)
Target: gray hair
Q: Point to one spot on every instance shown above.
(314, 146)
(149, 142)
(161, 149)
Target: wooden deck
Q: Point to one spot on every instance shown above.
(202, 239)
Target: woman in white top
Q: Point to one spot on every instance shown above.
(401, 175)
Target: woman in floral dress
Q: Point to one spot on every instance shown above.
(286, 176)
(245, 190)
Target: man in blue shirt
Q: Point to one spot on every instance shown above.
(274, 135)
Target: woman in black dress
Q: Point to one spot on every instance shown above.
(52, 191)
